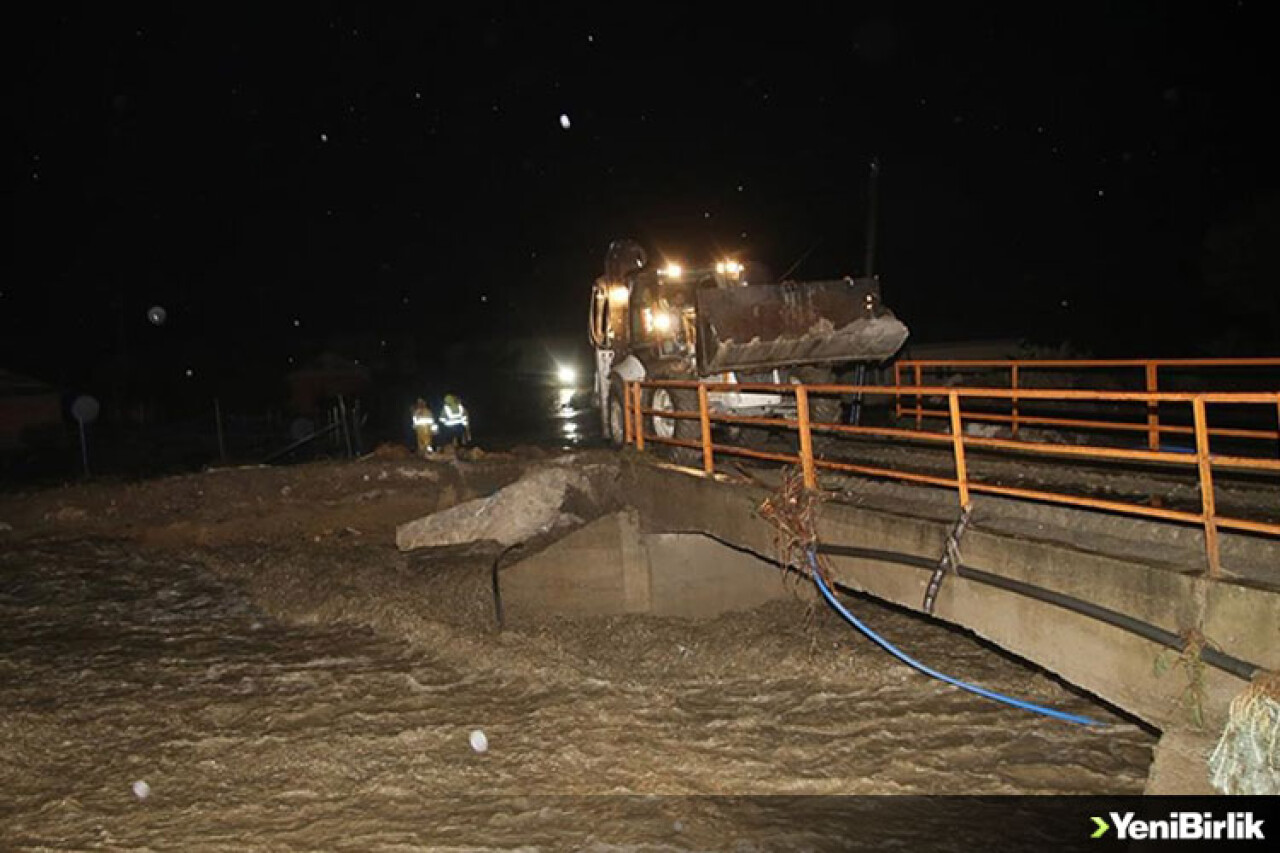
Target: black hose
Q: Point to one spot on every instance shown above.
(1213, 657)
(498, 612)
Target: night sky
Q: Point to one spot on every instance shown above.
(286, 182)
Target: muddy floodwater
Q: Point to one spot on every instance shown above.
(320, 693)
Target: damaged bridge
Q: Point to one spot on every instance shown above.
(1099, 600)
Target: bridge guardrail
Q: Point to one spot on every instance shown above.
(1147, 369)
(1202, 459)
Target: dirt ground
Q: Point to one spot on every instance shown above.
(250, 644)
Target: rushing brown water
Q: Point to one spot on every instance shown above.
(261, 715)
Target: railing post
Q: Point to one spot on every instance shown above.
(638, 407)
(1153, 408)
(1278, 414)
(897, 390)
(919, 400)
(806, 440)
(1013, 383)
(708, 453)
(1208, 509)
(957, 441)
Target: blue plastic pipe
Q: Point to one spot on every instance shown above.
(915, 664)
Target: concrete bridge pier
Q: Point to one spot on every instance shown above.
(613, 566)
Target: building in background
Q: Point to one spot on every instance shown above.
(29, 411)
(329, 375)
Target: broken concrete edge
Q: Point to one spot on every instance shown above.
(1179, 764)
(561, 494)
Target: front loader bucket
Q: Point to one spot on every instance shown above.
(774, 325)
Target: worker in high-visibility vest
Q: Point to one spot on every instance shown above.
(455, 426)
(424, 426)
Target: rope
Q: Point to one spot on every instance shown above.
(949, 561)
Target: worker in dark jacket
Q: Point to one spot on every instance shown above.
(424, 426)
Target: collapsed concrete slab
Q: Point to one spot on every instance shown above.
(546, 498)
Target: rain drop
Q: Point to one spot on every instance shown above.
(157, 315)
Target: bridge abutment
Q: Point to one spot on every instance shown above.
(1138, 577)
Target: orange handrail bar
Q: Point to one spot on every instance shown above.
(1203, 460)
(1123, 426)
(1264, 361)
(1150, 367)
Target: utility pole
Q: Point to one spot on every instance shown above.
(873, 215)
(868, 271)
(217, 417)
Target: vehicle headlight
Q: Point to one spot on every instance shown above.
(567, 375)
(663, 322)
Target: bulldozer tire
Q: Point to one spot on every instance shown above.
(822, 409)
(617, 434)
(684, 429)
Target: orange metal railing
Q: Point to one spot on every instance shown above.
(1203, 461)
(1148, 369)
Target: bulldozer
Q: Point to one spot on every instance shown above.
(712, 323)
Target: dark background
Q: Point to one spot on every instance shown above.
(387, 185)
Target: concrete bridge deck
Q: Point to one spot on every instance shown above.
(1145, 570)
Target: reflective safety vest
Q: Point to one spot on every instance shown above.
(422, 418)
(452, 417)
